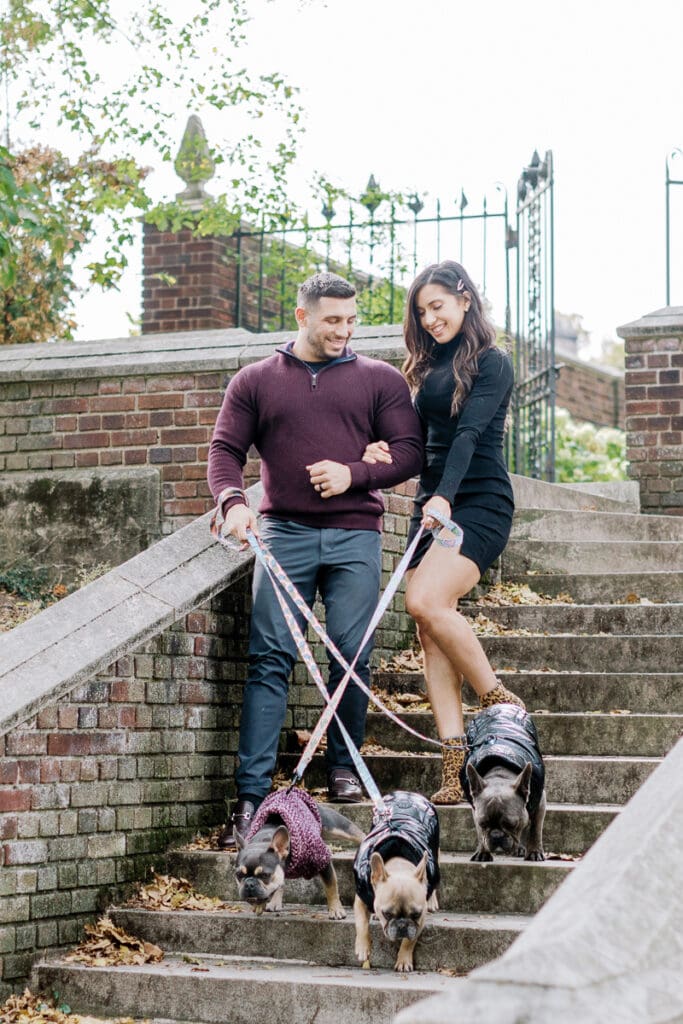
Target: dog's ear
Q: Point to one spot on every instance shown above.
(421, 869)
(378, 873)
(523, 782)
(477, 784)
(280, 842)
(240, 841)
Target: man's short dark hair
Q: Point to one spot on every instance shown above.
(324, 285)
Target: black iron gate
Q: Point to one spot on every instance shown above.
(380, 240)
(533, 411)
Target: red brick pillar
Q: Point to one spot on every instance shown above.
(189, 283)
(654, 408)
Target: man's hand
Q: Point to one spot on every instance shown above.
(238, 520)
(377, 451)
(330, 478)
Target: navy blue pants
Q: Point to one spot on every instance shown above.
(344, 567)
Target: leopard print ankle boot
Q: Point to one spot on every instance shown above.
(500, 695)
(451, 790)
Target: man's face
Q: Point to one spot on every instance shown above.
(325, 330)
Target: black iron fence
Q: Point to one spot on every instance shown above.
(380, 240)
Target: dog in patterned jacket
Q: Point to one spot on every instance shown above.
(287, 839)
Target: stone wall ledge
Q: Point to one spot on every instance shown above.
(69, 642)
(203, 351)
(661, 323)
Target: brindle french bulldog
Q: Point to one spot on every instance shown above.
(273, 851)
(503, 778)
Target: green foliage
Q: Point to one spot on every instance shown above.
(26, 582)
(103, 80)
(585, 453)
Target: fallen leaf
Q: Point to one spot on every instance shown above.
(165, 892)
(110, 946)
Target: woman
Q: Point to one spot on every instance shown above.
(461, 384)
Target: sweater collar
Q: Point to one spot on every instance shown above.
(286, 350)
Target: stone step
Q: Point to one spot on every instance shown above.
(454, 941)
(508, 885)
(658, 692)
(585, 653)
(569, 829)
(603, 587)
(556, 525)
(572, 780)
(623, 619)
(522, 556)
(217, 990)
(613, 496)
(596, 734)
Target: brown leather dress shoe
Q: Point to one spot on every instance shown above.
(343, 787)
(239, 821)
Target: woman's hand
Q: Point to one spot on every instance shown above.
(440, 505)
(377, 451)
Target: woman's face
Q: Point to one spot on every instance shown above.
(440, 312)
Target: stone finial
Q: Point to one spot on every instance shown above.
(194, 163)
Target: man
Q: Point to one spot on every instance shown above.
(310, 410)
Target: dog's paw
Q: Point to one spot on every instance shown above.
(336, 912)
(535, 855)
(481, 856)
(404, 964)
(362, 951)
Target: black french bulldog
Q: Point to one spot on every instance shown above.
(504, 778)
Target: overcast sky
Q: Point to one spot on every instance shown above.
(439, 95)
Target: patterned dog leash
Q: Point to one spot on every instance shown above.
(281, 583)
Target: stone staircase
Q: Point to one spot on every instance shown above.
(603, 678)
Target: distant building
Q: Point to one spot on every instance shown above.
(570, 335)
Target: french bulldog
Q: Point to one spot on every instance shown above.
(396, 872)
(287, 840)
(504, 779)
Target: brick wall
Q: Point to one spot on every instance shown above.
(95, 787)
(589, 392)
(654, 408)
(198, 283)
(153, 419)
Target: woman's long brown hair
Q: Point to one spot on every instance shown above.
(478, 333)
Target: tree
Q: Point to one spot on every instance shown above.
(103, 80)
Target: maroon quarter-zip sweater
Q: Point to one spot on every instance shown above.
(295, 417)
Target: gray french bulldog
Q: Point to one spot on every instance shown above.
(504, 779)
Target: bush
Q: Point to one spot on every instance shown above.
(585, 453)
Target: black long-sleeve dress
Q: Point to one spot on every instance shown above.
(464, 461)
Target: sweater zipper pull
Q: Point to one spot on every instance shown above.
(314, 381)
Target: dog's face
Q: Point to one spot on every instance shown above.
(260, 866)
(400, 891)
(499, 802)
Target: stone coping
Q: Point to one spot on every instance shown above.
(662, 322)
(69, 642)
(179, 352)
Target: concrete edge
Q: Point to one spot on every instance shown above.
(69, 642)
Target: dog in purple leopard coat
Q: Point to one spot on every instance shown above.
(287, 840)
